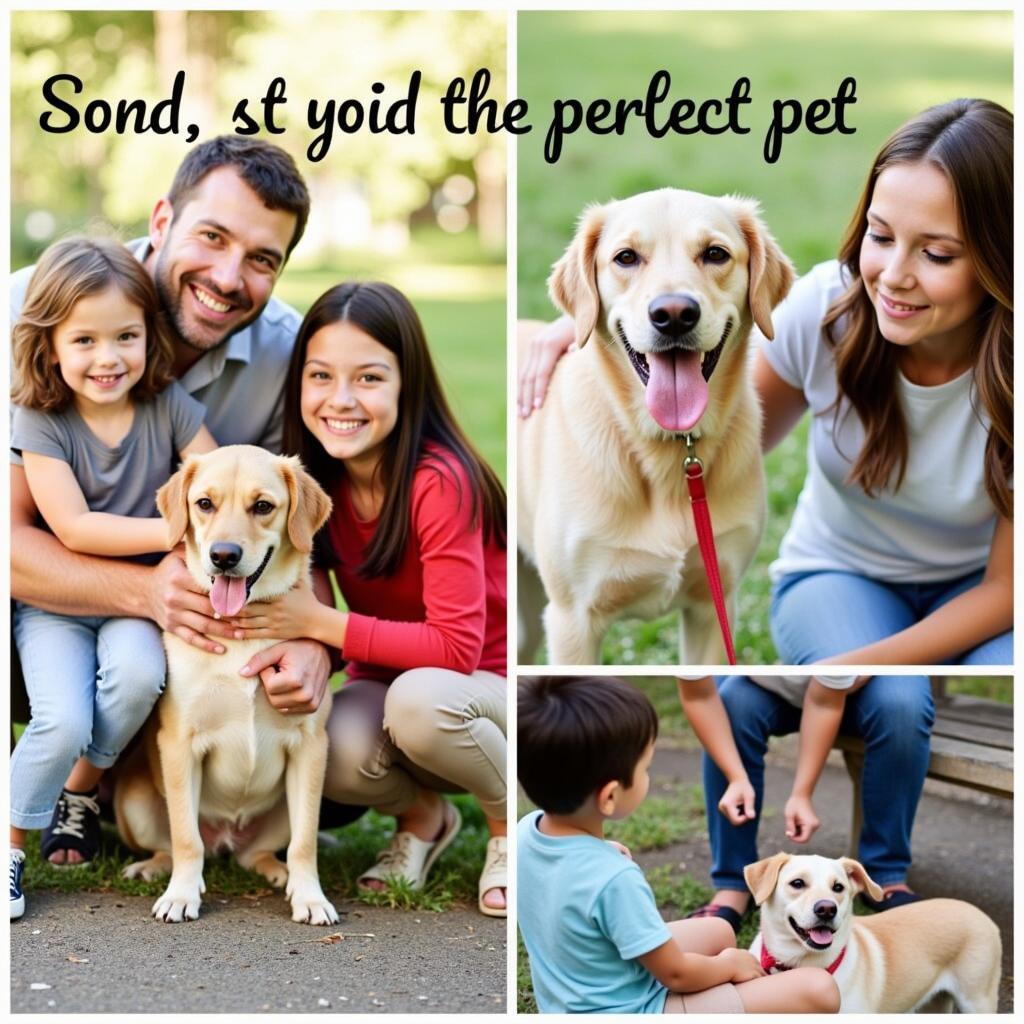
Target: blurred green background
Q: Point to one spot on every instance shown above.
(425, 212)
(902, 63)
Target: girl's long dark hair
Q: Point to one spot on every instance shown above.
(424, 418)
(971, 142)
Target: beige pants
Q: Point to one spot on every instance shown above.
(429, 727)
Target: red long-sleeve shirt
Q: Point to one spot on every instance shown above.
(445, 606)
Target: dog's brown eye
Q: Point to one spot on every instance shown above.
(204, 505)
(797, 883)
(263, 508)
(838, 887)
(715, 254)
(626, 258)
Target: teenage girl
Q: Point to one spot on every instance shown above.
(98, 424)
(417, 542)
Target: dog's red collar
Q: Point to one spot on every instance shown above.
(769, 963)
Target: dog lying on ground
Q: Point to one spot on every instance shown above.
(664, 288)
(219, 767)
(932, 954)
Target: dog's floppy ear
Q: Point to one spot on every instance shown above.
(762, 877)
(862, 881)
(573, 281)
(308, 505)
(770, 274)
(172, 500)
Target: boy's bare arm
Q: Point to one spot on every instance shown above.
(693, 972)
(706, 712)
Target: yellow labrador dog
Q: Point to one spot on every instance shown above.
(663, 288)
(220, 768)
(932, 954)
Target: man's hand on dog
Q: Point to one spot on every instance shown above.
(801, 821)
(179, 607)
(737, 803)
(294, 675)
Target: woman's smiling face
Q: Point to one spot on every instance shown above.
(914, 264)
(350, 389)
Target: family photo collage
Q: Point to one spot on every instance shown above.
(511, 511)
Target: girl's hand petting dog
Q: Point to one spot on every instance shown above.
(801, 821)
(298, 613)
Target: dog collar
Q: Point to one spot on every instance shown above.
(769, 963)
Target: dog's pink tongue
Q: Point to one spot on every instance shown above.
(677, 393)
(822, 936)
(228, 594)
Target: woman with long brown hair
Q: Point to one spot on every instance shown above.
(901, 547)
(417, 542)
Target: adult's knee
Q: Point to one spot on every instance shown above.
(412, 717)
(897, 710)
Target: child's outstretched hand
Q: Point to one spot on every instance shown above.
(801, 821)
(743, 965)
(737, 803)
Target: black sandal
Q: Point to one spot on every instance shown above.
(890, 900)
(734, 917)
(75, 826)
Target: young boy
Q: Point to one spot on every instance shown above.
(596, 941)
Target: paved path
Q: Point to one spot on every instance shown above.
(962, 841)
(102, 953)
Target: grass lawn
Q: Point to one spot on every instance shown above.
(807, 196)
(453, 879)
(674, 812)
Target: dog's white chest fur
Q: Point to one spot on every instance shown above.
(242, 741)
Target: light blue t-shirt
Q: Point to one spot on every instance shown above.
(586, 912)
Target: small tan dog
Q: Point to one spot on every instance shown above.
(219, 766)
(664, 288)
(925, 955)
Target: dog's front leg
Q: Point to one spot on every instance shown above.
(183, 778)
(574, 635)
(304, 783)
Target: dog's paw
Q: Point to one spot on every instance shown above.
(177, 904)
(154, 867)
(266, 864)
(317, 910)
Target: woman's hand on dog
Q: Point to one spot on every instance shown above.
(801, 821)
(298, 613)
(548, 345)
(737, 803)
(179, 607)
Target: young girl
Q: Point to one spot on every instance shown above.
(901, 547)
(98, 425)
(417, 541)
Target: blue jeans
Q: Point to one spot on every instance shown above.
(892, 714)
(816, 615)
(91, 684)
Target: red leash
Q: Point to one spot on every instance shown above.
(694, 470)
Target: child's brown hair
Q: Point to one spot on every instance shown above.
(68, 271)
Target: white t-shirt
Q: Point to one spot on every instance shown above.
(938, 526)
(791, 687)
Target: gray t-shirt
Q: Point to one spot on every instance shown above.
(122, 480)
(241, 382)
(792, 688)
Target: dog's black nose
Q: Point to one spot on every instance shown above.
(674, 315)
(225, 555)
(825, 910)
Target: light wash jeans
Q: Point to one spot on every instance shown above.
(91, 684)
(892, 714)
(816, 615)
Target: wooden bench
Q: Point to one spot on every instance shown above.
(972, 745)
